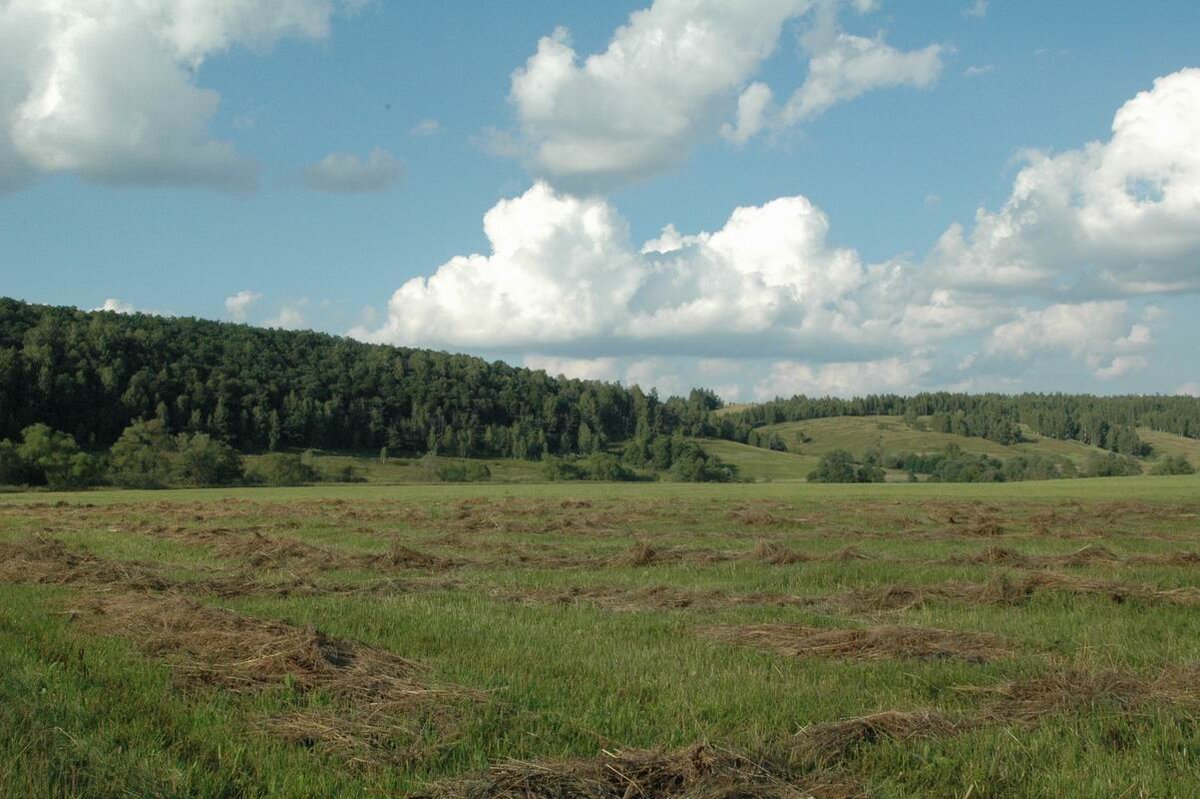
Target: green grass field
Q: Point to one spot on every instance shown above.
(586, 639)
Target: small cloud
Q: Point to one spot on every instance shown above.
(1121, 365)
(933, 200)
(1154, 313)
(975, 70)
(426, 127)
(347, 173)
(1188, 390)
(116, 306)
(291, 316)
(978, 10)
(238, 306)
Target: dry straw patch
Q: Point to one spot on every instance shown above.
(697, 772)
(822, 745)
(383, 705)
(869, 643)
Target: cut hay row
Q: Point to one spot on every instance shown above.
(868, 643)
(383, 708)
(1024, 703)
(811, 766)
(697, 772)
(1007, 590)
(50, 562)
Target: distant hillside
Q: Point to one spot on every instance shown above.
(890, 434)
(91, 373)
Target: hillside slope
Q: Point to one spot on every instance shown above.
(889, 434)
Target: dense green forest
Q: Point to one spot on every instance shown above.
(91, 374)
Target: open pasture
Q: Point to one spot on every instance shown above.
(596, 640)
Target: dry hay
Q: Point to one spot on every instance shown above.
(822, 745)
(49, 561)
(640, 554)
(1007, 590)
(383, 706)
(870, 643)
(1070, 691)
(265, 552)
(776, 554)
(697, 772)
(660, 597)
(237, 652)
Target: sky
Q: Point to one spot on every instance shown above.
(765, 197)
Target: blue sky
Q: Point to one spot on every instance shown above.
(168, 160)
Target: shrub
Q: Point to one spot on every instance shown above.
(53, 458)
(281, 469)
(143, 456)
(1173, 464)
(1110, 464)
(556, 469)
(694, 465)
(205, 461)
(607, 468)
(838, 467)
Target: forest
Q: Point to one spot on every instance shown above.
(90, 374)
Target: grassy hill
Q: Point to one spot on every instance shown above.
(857, 434)
(761, 465)
(1167, 444)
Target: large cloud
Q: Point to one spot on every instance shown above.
(1118, 218)
(672, 76)
(107, 89)
(564, 279)
(781, 308)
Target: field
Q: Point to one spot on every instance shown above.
(598, 640)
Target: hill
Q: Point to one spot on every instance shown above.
(889, 434)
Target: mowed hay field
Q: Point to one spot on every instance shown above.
(595, 640)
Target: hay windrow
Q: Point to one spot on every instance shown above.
(1007, 589)
(383, 704)
(237, 652)
(698, 772)
(822, 745)
(869, 643)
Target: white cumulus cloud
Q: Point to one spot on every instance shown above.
(671, 77)
(108, 89)
(238, 306)
(1116, 218)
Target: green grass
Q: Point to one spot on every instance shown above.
(1168, 444)
(84, 715)
(759, 464)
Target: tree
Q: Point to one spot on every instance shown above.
(54, 458)
(205, 461)
(143, 455)
(835, 467)
(13, 470)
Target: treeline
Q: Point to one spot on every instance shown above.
(91, 374)
(1106, 422)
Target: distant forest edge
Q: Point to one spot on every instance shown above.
(91, 374)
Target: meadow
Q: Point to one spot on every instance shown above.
(600, 640)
